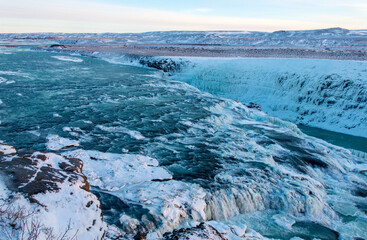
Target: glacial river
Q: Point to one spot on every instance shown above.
(229, 163)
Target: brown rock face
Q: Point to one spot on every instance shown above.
(57, 187)
(32, 172)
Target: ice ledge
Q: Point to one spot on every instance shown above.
(111, 171)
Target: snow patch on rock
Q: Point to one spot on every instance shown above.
(48, 192)
(111, 171)
(55, 142)
(7, 149)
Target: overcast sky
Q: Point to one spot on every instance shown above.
(162, 15)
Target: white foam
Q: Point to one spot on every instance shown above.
(12, 73)
(35, 133)
(172, 202)
(68, 59)
(134, 134)
(5, 51)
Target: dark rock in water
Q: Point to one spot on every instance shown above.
(113, 207)
(32, 172)
(360, 191)
(254, 105)
(140, 236)
(166, 65)
(362, 206)
(8, 46)
(60, 46)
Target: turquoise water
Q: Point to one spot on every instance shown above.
(219, 144)
(339, 139)
(94, 96)
(101, 100)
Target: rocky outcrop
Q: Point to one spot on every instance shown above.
(212, 231)
(254, 105)
(202, 231)
(54, 189)
(31, 172)
(166, 65)
(6, 149)
(58, 46)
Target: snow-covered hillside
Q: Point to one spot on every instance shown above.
(323, 38)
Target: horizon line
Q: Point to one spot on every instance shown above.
(239, 31)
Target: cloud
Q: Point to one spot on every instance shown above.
(78, 16)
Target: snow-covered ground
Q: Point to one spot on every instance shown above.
(331, 38)
(112, 172)
(65, 208)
